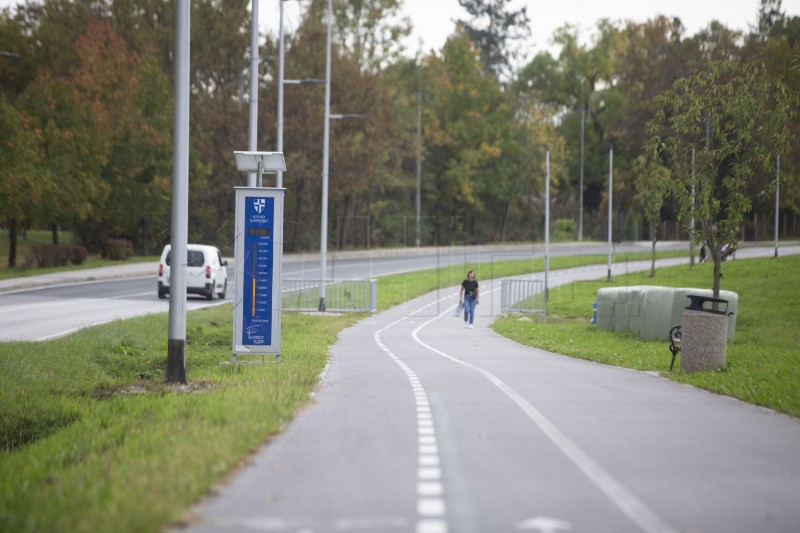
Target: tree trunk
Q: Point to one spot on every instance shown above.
(653, 261)
(54, 230)
(12, 244)
(348, 206)
(504, 225)
(144, 237)
(717, 270)
(298, 203)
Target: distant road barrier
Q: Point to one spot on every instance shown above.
(341, 296)
(522, 296)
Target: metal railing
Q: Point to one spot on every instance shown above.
(522, 296)
(341, 296)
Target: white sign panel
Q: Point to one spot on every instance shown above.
(259, 255)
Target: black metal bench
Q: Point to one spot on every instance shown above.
(674, 343)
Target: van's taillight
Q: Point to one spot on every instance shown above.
(208, 272)
(160, 270)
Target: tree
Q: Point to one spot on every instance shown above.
(492, 28)
(367, 32)
(747, 117)
(653, 183)
(71, 153)
(19, 183)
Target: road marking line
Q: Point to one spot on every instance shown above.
(428, 460)
(428, 471)
(624, 500)
(431, 526)
(430, 507)
(430, 488)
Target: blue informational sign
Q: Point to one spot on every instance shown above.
(259, 244)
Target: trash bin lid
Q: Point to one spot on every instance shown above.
(698, 302)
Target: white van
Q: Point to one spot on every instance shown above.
(205, 271)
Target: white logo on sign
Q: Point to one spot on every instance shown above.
(259, 204)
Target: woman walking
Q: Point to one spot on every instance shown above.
(470, 297)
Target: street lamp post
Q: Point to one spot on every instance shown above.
(691, 222)
(610, 200)
(777, 199)
(252, 131)
(419, 162)
(580, 180)
(323, 238)
(281, 83)
(176, 340)
(546, 228)
(279, 140)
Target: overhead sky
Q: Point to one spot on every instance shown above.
(433, 20)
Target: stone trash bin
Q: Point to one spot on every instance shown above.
(704, 334)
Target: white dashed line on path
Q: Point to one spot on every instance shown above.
(431, 511)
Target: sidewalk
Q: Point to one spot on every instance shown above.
(128, 270)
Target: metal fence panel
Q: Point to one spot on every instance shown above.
(341, 296)
(522, 296)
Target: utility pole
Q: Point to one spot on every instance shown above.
(323, 244)
(580, 180)
(419, 162)
(279, 174)
(610, 200)
(176, 341)
(777, 199)
(252, 132)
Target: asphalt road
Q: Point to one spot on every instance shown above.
(44, 307)
(420, 425)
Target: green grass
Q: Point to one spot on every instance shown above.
(94, 441)
(763, 362)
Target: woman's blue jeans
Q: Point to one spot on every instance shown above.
(469, 309)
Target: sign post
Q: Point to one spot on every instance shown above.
(259, 255)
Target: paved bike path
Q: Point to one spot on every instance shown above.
(422, 425)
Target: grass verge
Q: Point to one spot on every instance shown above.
(94, 441)
(763, 361)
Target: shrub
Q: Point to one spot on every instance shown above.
(566, 229)
(78, 254)
(120, 249)
(45, 255)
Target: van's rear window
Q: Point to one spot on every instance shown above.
(196, 259)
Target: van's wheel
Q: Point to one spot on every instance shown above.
(210, 294)
(224, 290)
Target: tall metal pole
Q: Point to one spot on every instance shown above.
(546, 228)
(176, 340)
(610, 200)
(419, 162)
(279, 174)
(323, 244)
(777, 199)
(691, 222)
(252, 131)
(580, 180)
